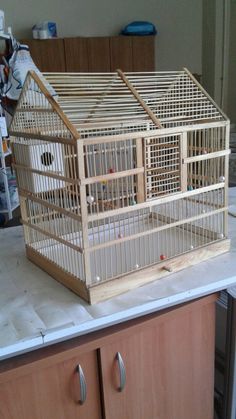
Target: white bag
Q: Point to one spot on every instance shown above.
(19, 64)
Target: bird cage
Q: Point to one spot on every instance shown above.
(122, 177)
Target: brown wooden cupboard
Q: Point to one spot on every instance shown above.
(94, 54)
(160, 366)
(48, 55)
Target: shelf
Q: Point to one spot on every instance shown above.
(8, 153)
(5, 210)
(4, 35)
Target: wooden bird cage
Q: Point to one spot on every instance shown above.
(122, 177)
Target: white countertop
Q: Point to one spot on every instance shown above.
(35, 310)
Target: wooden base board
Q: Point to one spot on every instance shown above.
(103, 291)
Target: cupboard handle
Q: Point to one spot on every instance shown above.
(121, 371)
(82, 384)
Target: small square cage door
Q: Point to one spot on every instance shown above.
(162, 165)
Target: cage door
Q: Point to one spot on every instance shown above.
(162, 165)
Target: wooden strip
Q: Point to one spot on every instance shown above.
(153, 132)
(189, 227)
(75, 284)
(47, 204)
(206, 156)
(111, 176)
(125, 283)
(55, 105)
(154, 119)
(39, 136)
(32, 110)
(157, 201)
(46, 174)
(53, 236)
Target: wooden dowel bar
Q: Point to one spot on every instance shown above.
(47, 204)
(207, 156)
(46, 174)
(40, 136)
(111, 176)
(139, 99)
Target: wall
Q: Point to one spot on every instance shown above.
(208, 45)
(231, 96)
(179, 23)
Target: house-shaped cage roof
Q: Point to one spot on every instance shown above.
(93, 104)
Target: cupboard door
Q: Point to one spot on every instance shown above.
(143, 53)
(121, 53)
(99, 54)
(169, 369)
(54, 392)
(48, 54)
(76, 54)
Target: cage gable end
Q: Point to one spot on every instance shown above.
(38, 114)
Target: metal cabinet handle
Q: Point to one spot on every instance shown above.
(121, 371)
(82, 384)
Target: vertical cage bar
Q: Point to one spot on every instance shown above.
(183, 155)
(140, 177)
(84, 211)
(226, 203)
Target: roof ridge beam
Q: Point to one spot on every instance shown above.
(137, 96)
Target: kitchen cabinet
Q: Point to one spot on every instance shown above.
(121, 52)
(44, 391)
(160, 366)
(76, 55)
(93, 54)
(48, 55)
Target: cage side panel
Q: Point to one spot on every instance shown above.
(48, 172)
(103, 291)
(47, 176)
(128, 242)
(210, 143)
(58, 273)
(66, 257)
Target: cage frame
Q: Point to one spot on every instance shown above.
(98, 292)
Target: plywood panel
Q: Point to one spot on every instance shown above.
(53, 392)
(76, 54)
(143, 53)
(121, 53)
(169, 369)
(99, 54)
(48, 54)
